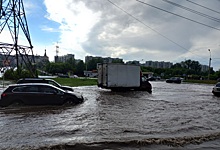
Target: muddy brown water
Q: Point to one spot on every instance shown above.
(174, 116)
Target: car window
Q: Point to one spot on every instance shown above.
(47, 89)
(25, 89)
(19, 89)
(218, 85)
(53, 83)
(31, 89)
(144, 78)
(60, 92)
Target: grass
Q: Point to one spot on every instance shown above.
(73, 82)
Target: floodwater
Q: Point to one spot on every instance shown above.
(174, 116)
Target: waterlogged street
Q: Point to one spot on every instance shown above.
(174, 116)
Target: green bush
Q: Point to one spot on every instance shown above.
(9, 74)
(16, 74)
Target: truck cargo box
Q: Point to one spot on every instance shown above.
(118, 75)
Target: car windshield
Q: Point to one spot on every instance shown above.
(217, 85)
(144, 78)
(54, 83)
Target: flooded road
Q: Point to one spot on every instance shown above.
(174, 116)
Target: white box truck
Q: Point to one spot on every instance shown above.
(118, 77)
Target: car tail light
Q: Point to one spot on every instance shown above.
(3, 94)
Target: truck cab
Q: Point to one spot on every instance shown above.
(145, 84)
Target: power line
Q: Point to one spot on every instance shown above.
(203, 6)
(193, 11)
(147, 25)
(178, 15)
(152, 29)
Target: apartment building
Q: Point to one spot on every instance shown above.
(64, 58)
(103, 59)
(158, 64)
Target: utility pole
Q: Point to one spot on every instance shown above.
(12, 17)
(210, 59)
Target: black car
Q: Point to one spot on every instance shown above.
(37, 94)
(47, 81)
(174, 80)
(151, 79)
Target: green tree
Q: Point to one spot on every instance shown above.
(92, 64)
(80, 67)
(177, 65)
(118, 61)
(187, 64)
(12, 74)
(72, 62)
(196, 66)
(54, 68)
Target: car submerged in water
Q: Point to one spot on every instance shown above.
(46, 81)
(38, 94)
(174, 80)
(216, 89)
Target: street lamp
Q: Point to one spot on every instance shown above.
(209, 62)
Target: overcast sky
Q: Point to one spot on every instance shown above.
(140, 30)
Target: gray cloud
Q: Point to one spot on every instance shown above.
(134, 31)
(173, 38)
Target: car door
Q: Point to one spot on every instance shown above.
(51, 95)
(26, 93)
(32, 95)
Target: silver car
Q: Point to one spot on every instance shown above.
(216, 89)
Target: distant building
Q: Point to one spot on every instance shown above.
(64, 58)
(9, 61)
(89, 58)
(157, 64)
(41, 59)
(12, 61)
(103, 59)
(91, 74)
(204, 68)
(112, 60)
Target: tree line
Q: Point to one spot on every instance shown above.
(188, 69)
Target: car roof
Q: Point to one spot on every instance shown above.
(34, 79)
(29, 80)
(29, 84)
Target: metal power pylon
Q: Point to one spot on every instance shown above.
(12, 19)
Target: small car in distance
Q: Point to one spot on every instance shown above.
(216, 89)
(37, 94)
(47, 81)
(174, 80)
